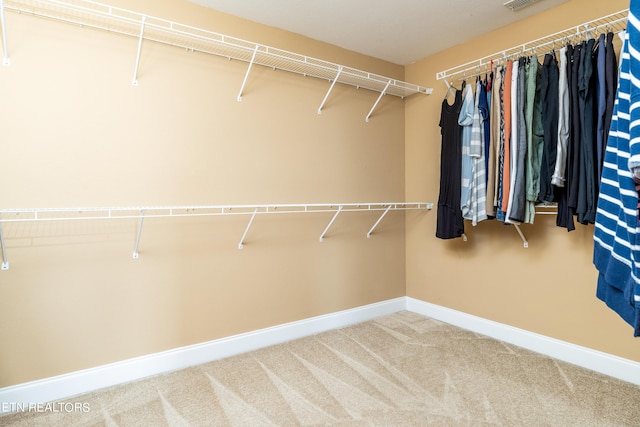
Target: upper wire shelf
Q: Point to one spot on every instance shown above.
(104, 17)
(615, 22)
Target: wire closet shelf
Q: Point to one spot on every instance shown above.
(104, 17)
(142, 212)
(615, 22)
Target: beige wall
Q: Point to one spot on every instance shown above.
(548, 288)
(75, 132)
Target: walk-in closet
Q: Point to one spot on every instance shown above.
(213, 215)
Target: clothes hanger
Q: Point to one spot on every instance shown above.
(450, 89)
(587, 32)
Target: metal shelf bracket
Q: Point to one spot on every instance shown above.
(5, 51)
(333, 83)
(330, 223)
(135, 71)
(378, 221)
(241, 244)
(5, 262)
(135, 250)
(377, 101)
(244, 82)
(524, 239)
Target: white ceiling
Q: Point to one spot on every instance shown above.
(399, 31)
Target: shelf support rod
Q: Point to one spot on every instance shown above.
(378, 221)
(330, 89)
(244, 82)
(524, 239)
(135, 250)
(246, 230)
(5, 261)
(378, 100)
(330, 223)
(135, 71)
(5, 51)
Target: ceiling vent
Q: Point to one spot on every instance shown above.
(516, 5)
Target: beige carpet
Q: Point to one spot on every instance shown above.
(398, 370)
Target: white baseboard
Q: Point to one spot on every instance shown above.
(608, 364)
(87, 380)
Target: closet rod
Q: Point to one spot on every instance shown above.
(144, 212)
(541, 209)
(615, 22)
(137, 212)
(525, 242)
(88, 13)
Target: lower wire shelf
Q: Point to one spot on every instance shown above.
(145, 212)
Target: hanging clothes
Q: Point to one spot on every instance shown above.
(549, 92)
(535, 136)
(586, 134)
(611, 83)
(478, 186)
(495, 123)
(561, 176)
(540, 128)
(485, 115)
(587, 187)
(465, 120)
(558, 178)
(601, 102)
(513, 142)
(449, 218)
(616, 244)
(573, 148)
(506, 139)
(518, 194)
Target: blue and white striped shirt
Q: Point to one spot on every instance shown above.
(616, 245)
